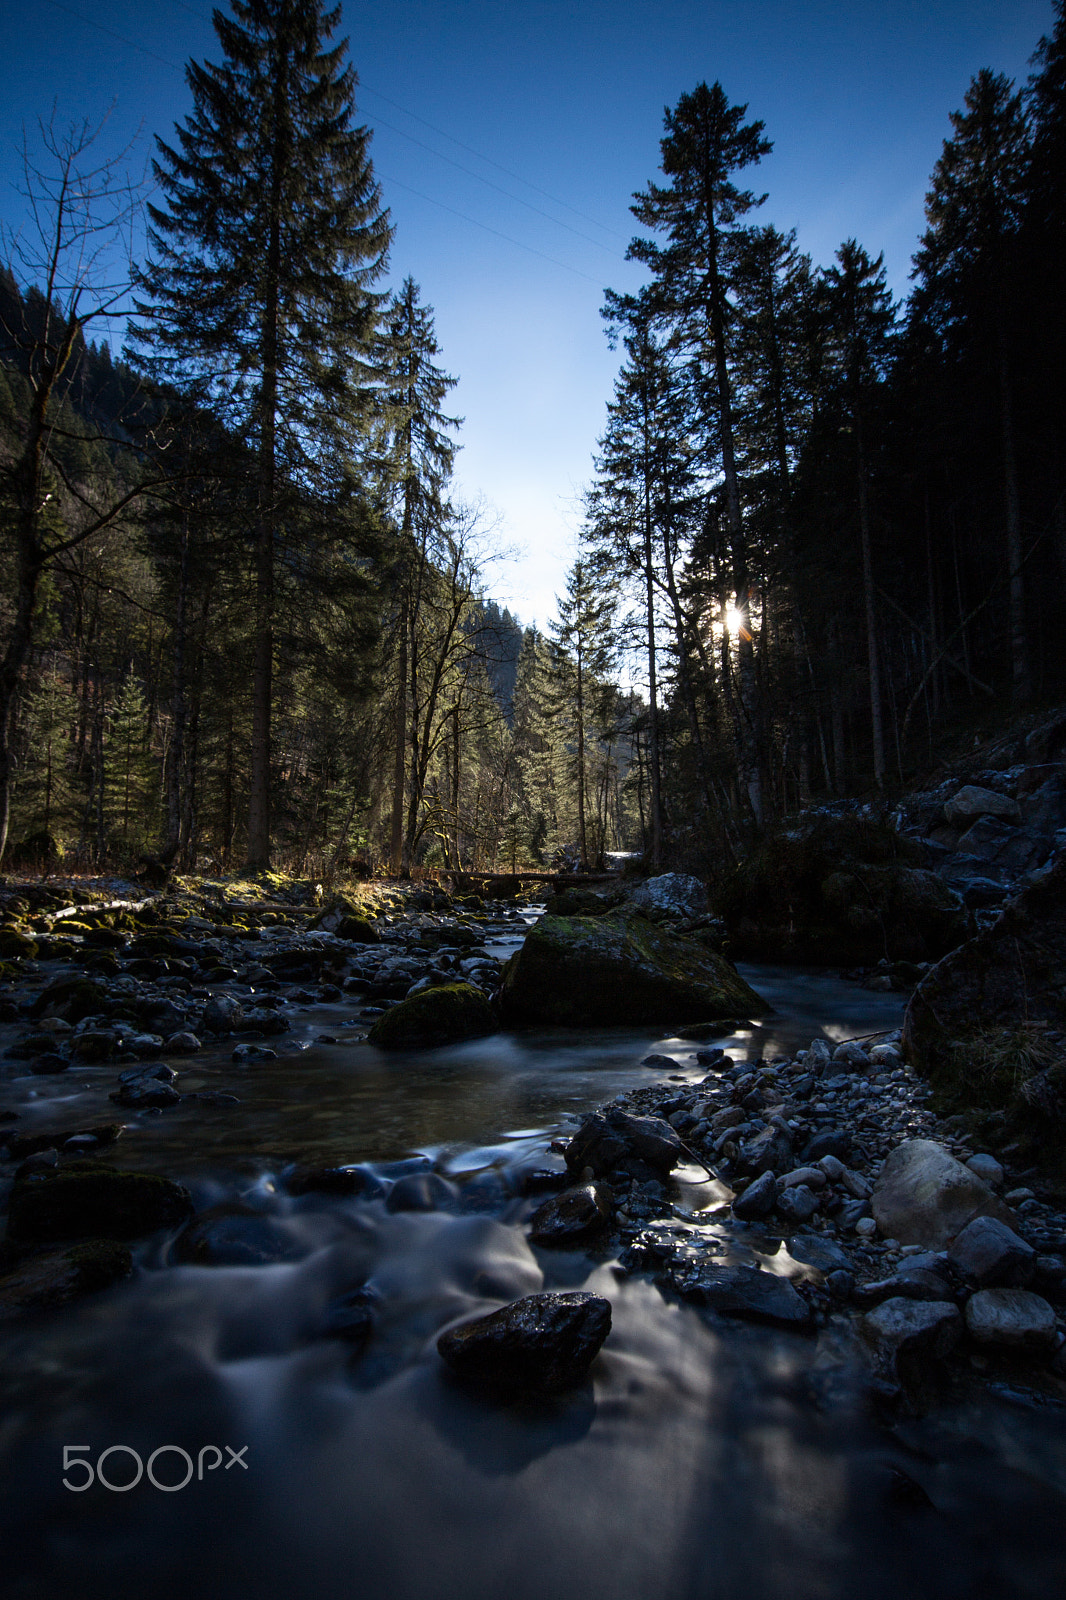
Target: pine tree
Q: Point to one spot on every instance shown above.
(259, 296)
(701, 212)
(967, 274)
(584, 655)
(859, 320)
(419, 460)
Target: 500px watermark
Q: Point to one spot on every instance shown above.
(161, 1466)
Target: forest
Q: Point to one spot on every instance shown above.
(246, 621)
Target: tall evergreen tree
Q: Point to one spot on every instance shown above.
(967, 274)
(701, 213)
(259, 295)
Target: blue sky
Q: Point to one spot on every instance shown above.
(509, 140)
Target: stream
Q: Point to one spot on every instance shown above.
(703, 1458)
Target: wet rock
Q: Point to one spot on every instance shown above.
(137, 1090)
(743, 1292)
(924, 1196)
(351, 1317)
(571, 1216)
(1014, 1318)
(84, 1201)
(769, 1151)
(797, 1204)
(49, 1064)
(96, 1044)
(584, 971)
(252, 1052)
(421, 1191)
(817, 1251)
(73, 999)
(757, 1200)
(605, 1141)
(331, 1180)
(543, 1343)
(993, 1254)
(438, 1016)
(167, 1018)
(851, 1057)
(222, 1014)
(97, 1136)
(55, 1277)
(234, 1235)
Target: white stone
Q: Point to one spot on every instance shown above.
(988, 1168)
(971, 802)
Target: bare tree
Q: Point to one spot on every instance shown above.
(75, 253)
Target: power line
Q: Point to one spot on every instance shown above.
(470, 150)
(91, 22)
(462, 214)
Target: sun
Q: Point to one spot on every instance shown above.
(733, 620)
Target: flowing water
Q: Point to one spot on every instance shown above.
(699, 1460)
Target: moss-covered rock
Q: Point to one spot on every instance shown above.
(55, 1277)
(357, 930)
(444, 1015)
(840, 889)
(72, 999)
(14, 945)
(580, 903)
(85, 1200)
(581, 971)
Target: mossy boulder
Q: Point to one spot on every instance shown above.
(85, 1200)
(580, 903)
(72, 999)
(840, 889)
(443, 1015)
(15, 945)
(52, 1278)
(357, 930)
(580, 971)
(986, 1024)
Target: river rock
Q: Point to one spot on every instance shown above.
(234, 1235)
(152, 1086)
(971, 801)
(904, 1327)
(744, 1292)
(607, 1140)
(924, 1196)
(421, 1191)
(1015, 1318)
(331, 1180)
(222, 1014)
(572, 1215)
(675, 892)
(542, 1343)
(616, 970)
(85, 1200)
(443, 1015)
(55, 1277)
(769, 1151)
(757, 1200)
(993, 1254)
(797, 1204)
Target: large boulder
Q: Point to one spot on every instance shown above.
(840, 889)
(86, 1201)
(581, 971)
(55, 1277)
(443, 1015)
(924, 1196)
(616, 1138)
(543, 1343)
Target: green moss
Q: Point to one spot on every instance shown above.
(619, 969)
(435, 1016)
(15, 946)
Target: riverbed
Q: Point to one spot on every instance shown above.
(702, 1458)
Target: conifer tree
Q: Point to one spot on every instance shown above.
(259, 296)
(701, 211)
